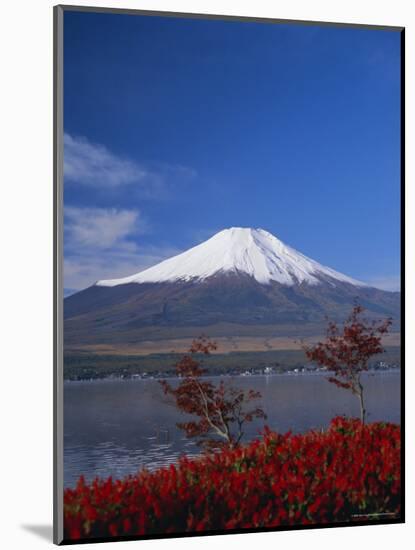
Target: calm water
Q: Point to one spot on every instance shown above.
(116, 427)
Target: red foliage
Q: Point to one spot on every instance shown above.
(221, 410)
(349, 472)
(346, 351)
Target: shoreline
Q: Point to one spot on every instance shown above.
(371, 372)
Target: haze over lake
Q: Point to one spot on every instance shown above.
(116, 427)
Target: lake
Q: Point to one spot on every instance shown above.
(116, 427)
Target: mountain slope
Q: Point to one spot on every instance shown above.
(239, 281)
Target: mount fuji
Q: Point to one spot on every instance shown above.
(240, 281)
(253, 252)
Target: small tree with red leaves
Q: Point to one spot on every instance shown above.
(347, 350)
(221, 410)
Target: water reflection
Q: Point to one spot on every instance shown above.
(118, 427)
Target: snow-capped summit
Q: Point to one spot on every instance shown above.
(253, 252)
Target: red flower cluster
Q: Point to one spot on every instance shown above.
(349, 472)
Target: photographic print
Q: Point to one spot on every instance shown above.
(228, 274)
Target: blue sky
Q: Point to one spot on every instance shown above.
(178, 128)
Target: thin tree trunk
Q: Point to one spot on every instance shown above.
(362, 404)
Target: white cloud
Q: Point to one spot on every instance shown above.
(100, 244)
(81, 271)
(391, 283)
(101, 228)
(93, 164)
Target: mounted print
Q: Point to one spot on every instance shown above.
(228, 308)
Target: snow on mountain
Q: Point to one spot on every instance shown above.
(254, 252)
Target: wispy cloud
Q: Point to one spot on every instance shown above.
(102, 228)
(94, 165)
(391, 283)
(82, 271)
(101, 243)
